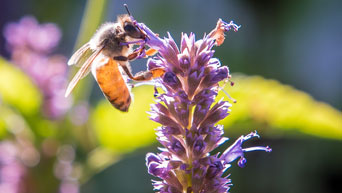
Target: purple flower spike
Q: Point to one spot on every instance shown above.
(171, 80)
(189, 114)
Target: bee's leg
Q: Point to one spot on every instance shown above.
(134, 55)
(142, 53)
(132, 42)
(121, 58)
(151, 52)
(150, 74)
(142, 76)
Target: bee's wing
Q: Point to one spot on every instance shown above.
(83, 71)
(81, 55)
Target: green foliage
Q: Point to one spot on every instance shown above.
(124, 132)
(269, 104)
(13, 122)
(17, 90)
(92, 19)
(20, 105)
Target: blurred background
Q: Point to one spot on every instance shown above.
(286, 62)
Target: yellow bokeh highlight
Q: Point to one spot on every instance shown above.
(17, 90)
(278, 106)
(126, 131)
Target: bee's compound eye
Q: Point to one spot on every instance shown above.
(130, 28)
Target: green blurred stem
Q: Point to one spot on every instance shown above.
(92, 19)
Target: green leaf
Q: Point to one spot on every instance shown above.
(13, 122)
(17, 90)
(123, 132)
(92, 19)
(270, 104)
(2, 125)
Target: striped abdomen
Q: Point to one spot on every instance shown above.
(113, 85)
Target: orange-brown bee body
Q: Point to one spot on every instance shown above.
(113, 85)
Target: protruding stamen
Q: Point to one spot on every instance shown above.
(258, 148)
(235, 151)
(226, 93)
(230, 25)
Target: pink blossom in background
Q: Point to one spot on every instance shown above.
(30, 45)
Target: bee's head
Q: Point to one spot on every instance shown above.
(130, 28)
(133, 31)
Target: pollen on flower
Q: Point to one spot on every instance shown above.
(221, 28)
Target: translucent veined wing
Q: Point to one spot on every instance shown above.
(82, 72)
(81, 55)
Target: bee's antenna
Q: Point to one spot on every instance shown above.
(126, 6)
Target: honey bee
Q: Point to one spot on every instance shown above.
(107, 56)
